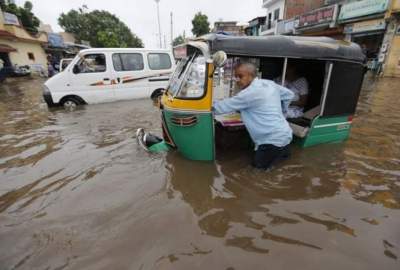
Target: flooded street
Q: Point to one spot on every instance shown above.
(76, 192)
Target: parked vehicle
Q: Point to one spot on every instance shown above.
(334, 70)
(104, 75)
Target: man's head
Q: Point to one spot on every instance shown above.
(245, 74)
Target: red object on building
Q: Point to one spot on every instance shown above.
(6, 34)
(4, 48)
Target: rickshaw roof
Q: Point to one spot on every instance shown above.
(285, 46)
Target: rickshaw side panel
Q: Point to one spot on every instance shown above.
(192, 134)
(344, 89)
(327, 130)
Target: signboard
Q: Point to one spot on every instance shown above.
(318, 16)
(362, 8)
(285, 27)
(365, 26)
(55, 40)
(396, 5)
(10, 18)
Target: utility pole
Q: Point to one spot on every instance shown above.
(172, 31)
(159, 24)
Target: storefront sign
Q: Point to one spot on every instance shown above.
(10, 18)
(362, 8)
(285, 27)
(365, 26)
(318, 16)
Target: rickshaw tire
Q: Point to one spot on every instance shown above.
(157, 93)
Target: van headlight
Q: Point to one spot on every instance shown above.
(46, 90)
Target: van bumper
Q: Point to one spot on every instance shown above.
(48, 98)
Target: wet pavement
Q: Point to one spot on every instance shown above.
(76, 192)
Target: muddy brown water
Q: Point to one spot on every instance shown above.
(76, 192)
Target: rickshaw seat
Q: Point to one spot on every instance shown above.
(301, 125)
(312, 113)
(298, 130)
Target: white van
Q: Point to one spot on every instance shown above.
(104, 75)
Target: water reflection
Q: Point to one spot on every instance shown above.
(77, 193)
(230, 196)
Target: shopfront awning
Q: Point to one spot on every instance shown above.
(4, 48)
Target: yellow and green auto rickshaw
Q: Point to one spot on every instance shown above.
(334, 71)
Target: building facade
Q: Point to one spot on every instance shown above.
(390, 50)
(280, 10)
(228, 28)
(18, 47)
(254, 28)
(275, 12)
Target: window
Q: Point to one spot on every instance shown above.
(276, 14)
(159, 61)
(128, 61)
(31, 56)
(269, 21)
(91, 63)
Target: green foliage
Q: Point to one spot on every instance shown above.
(200, 24)
(28, 20)
(28, 6)
(99, 27)
(178, 40)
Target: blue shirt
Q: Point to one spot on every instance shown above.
(261, 106)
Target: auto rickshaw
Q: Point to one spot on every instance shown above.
(334, 70)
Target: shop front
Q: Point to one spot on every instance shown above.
(319, 22)
(369, 35)
(365, 24)
(391, 66)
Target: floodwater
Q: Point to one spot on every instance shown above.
(76, 192)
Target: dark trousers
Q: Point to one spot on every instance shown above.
(267, 155)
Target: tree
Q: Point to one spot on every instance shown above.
(200, 24)
(178, 40)
(99, 27)
(28, 20)
(28, 6)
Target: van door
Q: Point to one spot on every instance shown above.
(131, 75)
(90, 78)
(161, 66)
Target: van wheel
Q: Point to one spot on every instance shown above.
(70, 103)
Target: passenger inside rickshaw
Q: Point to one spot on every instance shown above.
(230, 132)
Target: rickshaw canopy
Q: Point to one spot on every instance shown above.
(322, 48)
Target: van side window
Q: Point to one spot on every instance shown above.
(128, 61)
(91, 63)
(159, 61)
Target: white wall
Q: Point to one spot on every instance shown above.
(20, 57)
(273, 7)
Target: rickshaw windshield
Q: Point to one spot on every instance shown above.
(189, 78)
